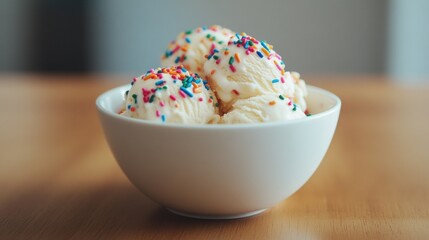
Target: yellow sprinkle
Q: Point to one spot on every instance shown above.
(265, 51)
(272, 103)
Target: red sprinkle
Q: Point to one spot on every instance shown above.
(161, 103)
(172, 97)
(235, 91)
(133, 109)
(200, 99)
(232, 68)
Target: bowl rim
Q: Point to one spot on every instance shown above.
(103, 110)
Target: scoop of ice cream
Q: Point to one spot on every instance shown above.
(246, 68)
(191, 48)
(173, 95)
(263, 108)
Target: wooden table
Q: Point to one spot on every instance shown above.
(58, 179)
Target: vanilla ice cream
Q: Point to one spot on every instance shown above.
(191, 48)
(263, 108)
(300, 91)
(246, 68)
(173, 95)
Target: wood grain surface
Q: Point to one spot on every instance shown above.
(58, 179)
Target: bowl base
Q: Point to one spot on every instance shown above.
(217, 217)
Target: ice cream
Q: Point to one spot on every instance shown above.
(300, 93)
(263, 108)
(192, 47)
(247, 68)
(173, 95)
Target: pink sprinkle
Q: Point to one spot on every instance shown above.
(239, 45)
(278, 67)
(159, 75)
(252, 49)
(172, 97)
(153, 90)
(175, 49)
(290, 102)
(174, 76)
(270, 56)
(182, 94)
(200, 99)
(146, 99)
(278, 56)
(232, 68)
(218, 61)
(134, 79)
(247, 52)
(178, 70)
(282, 79)
(161, 103)
(158, 113)
(145, 92)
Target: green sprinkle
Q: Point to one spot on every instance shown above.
(216, 57)
(250, 43)
(165, 87)
(231, 60)
(126, 92)
(220, 42)
(188, 32)
(208, 35)
(308, 114)
(281, 97)
(217, 104)
(152, 98)
(135, 98)
(294, 107)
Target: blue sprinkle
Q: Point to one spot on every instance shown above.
(209, 56)
(188, 40)
(207, 86)
(238, 36)
(163, 118)
(177, 60)
(129, 106)
(246, 46)
(186, 91)
(184, 69)
(197, 80)
(174, 81)
(160, 82)
(259, 54)
(275, 80)
(265, 46)
(215, 50)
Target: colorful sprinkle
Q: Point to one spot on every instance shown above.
(163, 118)
(135, 98)
(259, 54)
(294, 107)
(272, 103)
(158, 114)
(275, 80)
(172, 97)
(235, 92)
(232, 68)
(237, 58)
(281, 97)
(231, 60)
(186, 91)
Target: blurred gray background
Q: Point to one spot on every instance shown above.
(110, 36)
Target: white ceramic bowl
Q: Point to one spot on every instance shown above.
(219, 171)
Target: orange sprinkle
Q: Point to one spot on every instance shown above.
(226, 53)
(198, 69)
(184, 48)
(147, 77)
(265, 51)
(272, 103)
(194, 84)
(197, 90)
(237, 58)
(213, 72)
(283, 71)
